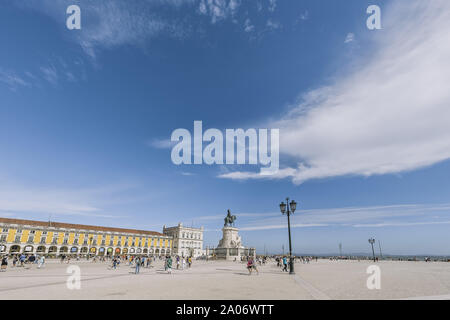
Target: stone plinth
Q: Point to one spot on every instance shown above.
(230, 247)
(230, 238)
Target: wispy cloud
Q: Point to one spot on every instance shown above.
(248, 27)
(240, 214)
(272, 24)
(390, 115)
(22, 200)
(113, 23)
(272, 5)
(161, 143)
(281, 226)
(349, 38)
(119, 23)
(304, 15)
(50, 74)
(12, 80)
(218, 9)
(245, 175)
(108, 24)
(399, 215)
(399, 224)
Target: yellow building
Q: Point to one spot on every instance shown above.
(55, 238)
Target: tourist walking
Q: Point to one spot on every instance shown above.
(254, 266)
(190, 261)
(183, 263)
(41, 262)
(31, 259)
(249, 267)
(169, 264)
(4, 263)
(22, 259)
(178, 262)
(137, 261)
(285, 264)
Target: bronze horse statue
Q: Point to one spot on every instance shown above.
(229, 219)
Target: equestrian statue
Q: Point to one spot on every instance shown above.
(229, 220)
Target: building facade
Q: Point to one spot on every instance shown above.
(54, 239)
(187, 241)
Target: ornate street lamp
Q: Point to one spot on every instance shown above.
(290, 210)
(372, 241)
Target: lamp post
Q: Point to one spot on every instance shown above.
(372, 241)
(379, 244)
(288, 209)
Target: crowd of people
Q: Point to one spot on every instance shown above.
(22, 260)
(252, 265)
(146, 262)
(138, 262)
(180, 263)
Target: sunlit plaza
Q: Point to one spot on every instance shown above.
(322, 279)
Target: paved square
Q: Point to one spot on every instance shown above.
(323, 279)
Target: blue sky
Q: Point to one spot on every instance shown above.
(85, 116)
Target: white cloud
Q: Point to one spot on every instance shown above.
(273, 25)
(259, 6)
(70, 77)
(12, 80)
(118, 23)
(399, 224)
(281, 226)
(304, 15)
(400, 215)
(377, 216)
(243, 175)
(161, 143)
(218, 9)
(107, 24)
(248, 27)
(349, 38)
(50, 74)
(389, 116)
(272, 5)
(20, 199)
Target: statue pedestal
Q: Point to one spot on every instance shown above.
(230, 247)
(230, 238)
